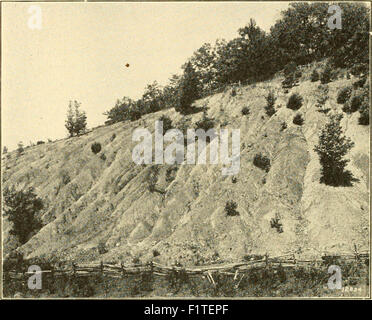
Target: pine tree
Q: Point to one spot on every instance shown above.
(269, 108)
(332, 147)
(80, 119)
(70, 121)
(76, 121)
(189, 89)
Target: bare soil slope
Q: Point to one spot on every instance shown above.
(93, 198)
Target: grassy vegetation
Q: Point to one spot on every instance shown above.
(301, 281)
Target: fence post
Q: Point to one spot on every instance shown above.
(122, 269)
(266, 259)
(356, 252)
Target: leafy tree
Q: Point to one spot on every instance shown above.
(22, 209)
(332, 147)
(152, 98)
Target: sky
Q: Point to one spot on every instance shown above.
(81, 51)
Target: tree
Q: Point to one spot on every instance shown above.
(80, 119)
(332, 148)
(269, 108)
(22, 209)
(5, 149)
(76, 121)
(20, 148)
(70, 121)
(189, 89)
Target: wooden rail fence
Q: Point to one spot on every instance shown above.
(233, 269)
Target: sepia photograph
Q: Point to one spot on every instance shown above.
(185, 150)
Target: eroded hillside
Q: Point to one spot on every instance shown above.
(105, 198)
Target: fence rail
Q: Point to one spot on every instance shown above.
(234, 269)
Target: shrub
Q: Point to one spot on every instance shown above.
(102, 248)
(22, 209)
(275, 223)
(167, 123)
(326, 75)
(283, 126)
(40, 142)
(96, 147)
(262, 162)
(245, 111)
(314, 76)
(155, 253)
(332, 147)
(103, 156)
(344, 95)
(113, 137)
(298, 120)
(269, 108)
(364, 113)
(295, 101)
(359, 83)
(65, 177)
(230, 208)
(205, 123)
(152, 177)
(20, 148)
(170, 174)
(354, 103)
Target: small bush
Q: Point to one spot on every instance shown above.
(295, 101)
(102, 248)
(170, 174)
(283, 126)
(275, 223)
(167, 123)
(233, 92)
(205, 123)
(20, 148)
(298, 120)
(96, 147)
(262, 162)
(344, 95)
(326, 75)
(354, 103)
(359, 83)
(103, 156)
(364, 113)
(230, 208)
(155, 253)
(245, 111)
(314, 76)
(40, 142)
(269, 108)
(113, 137)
